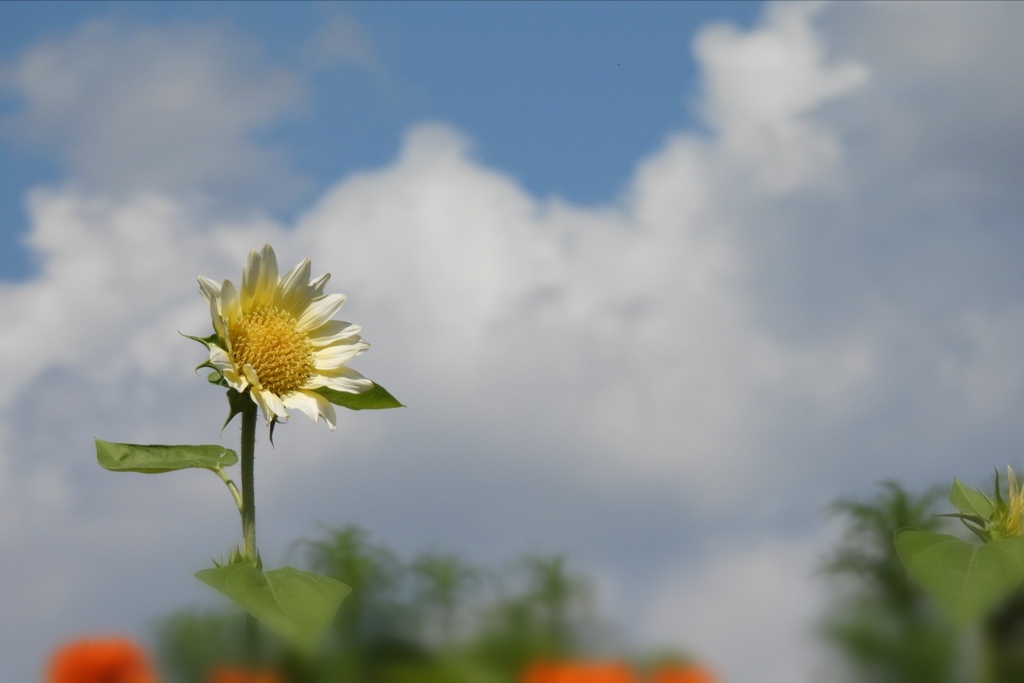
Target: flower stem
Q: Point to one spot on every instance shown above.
(252, 626)
(231, 487)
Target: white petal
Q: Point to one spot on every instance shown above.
(209, 288)
(331, 357)
(259, 277)
(250, 278)
(268, 275)
(342, 379)
(304, 402)
(211, 292)
(326, 409)
(226, 367)
(218, 322)
(230, 304)
(250, 374)
(291, 291)
(316, 287)
(259, 399)
(220, 359)
(275, 404)
(320, 310)
(332, 332)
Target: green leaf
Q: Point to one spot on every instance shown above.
(375, 398)
(971, 501)
(1014, 546)
(967, 580)
(297, 605)
(130, 457)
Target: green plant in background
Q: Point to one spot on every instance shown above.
(882, 624)
(374, 623)
(550, 616)
(441, 584)
(978, 583)
(389, 629)
(275, 348)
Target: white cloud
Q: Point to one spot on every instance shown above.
(747, 612)
(761, 85)
(172, 109)
(764, 319)
(341, 40)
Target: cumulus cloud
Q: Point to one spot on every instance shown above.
(759, 88)
(763, 319)
(342, 41)
(127, 109)
(743, 607)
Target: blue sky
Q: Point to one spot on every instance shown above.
(565, 96)
(657, 282)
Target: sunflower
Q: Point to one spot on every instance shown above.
(274, 338)
(1014, 513)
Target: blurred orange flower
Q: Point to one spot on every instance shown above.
(107, 660)
(235, 674)
(682, 674)
(578, 672)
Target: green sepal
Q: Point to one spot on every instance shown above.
(971, 501)
(212, 340)
(237, 402)
(209, 342)
(374, 398)
(297, 605)
(237, 556)
(234, 557)
(963, 516)
(967, 580)
(154, 459)
(977, 525)
(214, 377)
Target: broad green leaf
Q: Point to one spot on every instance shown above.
(151, 459)
(375, 398)
(1013, 546)
(971, 501)
(967, 580)
(297, 605)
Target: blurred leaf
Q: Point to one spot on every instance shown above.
(151, 459)
(967, 580)
(375, 398)
(970, 501)
(297, 605)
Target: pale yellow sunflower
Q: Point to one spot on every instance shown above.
(275, 339)
(1014, 506)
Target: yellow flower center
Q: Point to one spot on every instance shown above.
(270, 340)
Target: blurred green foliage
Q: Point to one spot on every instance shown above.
(880, 624)
(436, 618)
